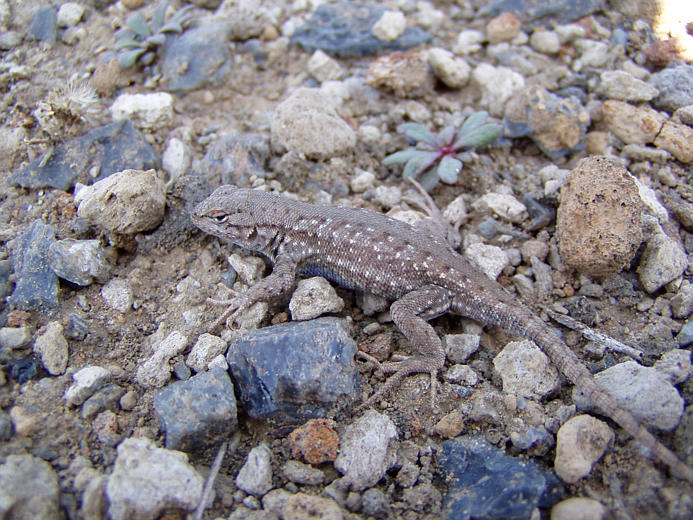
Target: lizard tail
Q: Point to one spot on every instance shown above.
(570, 365)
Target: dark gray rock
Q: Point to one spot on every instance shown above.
(294, 371)
(675, 85)
(484, 482)
(105, 398)
(79, 261)
(196, 412)
(685, 336)
(5, 426)
(36, 286)
(232, 158)
(44, 25)
(536, 12)
(344, 29)
(23, 369)
(5, 284)
(375, 503)
(107, 149)
(683, 436)
(199, 57)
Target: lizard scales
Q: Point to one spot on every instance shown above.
(419, 272)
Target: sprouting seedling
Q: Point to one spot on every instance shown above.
(440, 157)
(139, 40)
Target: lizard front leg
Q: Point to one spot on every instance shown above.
(411, 314)
(279, 282)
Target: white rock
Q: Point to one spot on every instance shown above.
(363, 181)
(618, 84)
(52, 347)
(126, 202)
(149, 111)
(456, 211)
(87, 380)
(206, 348)
(387, 196)
(249, 268)
(314, 297)
(469, 42)
(497, 84)
(176, 159)
(490, 259)
(525, 370)
(307, 122)
(337, 92)
(458, 347)
(118, 295)
(428, 17)
(369, 134)
(570, 32)
(578, 508)
(156, 371)
(461, 374)
(14, 337)
(643, 391)
(218, 362)
(681, 304)
(546, 42)
(79, 261)
(366, 450)
(580, 442)
(29, 489)
(504, 205)
(592, 54)
(371, 304)
(649, 198)
(663, 261)
(69, 14)
(675, 365)
(255, 476)
(148, 481)
(452, 71)
(324, 68)
(390, 26)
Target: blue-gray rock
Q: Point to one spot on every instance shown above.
(77, 328)
(197, 412)
(23, 369)
(79, 261)
(233, 158)
(536, 12)
(484, 482)
(5, 426)
(199, 57)
(675, 85)
(344, 29)
(105, 398)
(685, 335)
(44, 25)
(375, 503)
(107, 149)
(5, 284)
(294, 371)
(36, 286)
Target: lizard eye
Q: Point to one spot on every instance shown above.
(219, 216)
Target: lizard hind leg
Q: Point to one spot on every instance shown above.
(410, 313)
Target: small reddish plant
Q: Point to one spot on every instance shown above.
(440, 157)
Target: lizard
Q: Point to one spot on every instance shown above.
(419, 272)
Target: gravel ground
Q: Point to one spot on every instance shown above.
(115, 398)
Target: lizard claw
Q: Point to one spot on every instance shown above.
(235, 306)
(399, 370)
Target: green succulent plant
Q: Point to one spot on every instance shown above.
(440, 157)
(139, 40)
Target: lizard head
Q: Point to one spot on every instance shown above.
(231, 213)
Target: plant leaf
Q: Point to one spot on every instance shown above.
(448, 169)
(157, 39)
(401, 156)
(429, 180)
(126, 43)
(474, 121)
(171, 26)
(159, 15)
(419, 163)
(446, 135)
(128, 58)
(417, 132)
(480, 137)
(138, 24)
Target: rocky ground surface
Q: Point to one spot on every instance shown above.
(115, 398)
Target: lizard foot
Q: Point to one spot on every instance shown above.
(235, 306)
(399, 370)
